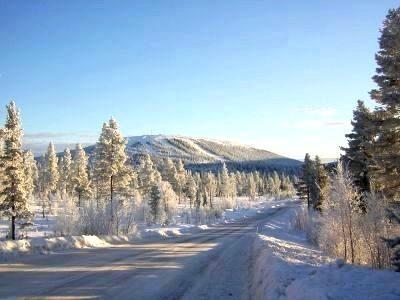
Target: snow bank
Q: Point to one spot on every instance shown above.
(287, 267)
(44, 245)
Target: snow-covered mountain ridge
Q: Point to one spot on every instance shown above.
(195, 150)
(203, 153)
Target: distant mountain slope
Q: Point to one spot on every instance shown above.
(195, 150)
(201, 154)
(206, 154)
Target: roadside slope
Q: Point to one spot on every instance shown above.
(288, 267)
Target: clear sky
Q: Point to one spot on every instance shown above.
(280, 75)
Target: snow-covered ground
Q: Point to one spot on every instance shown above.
(288, 267)
(41, 238)
(209, 264)
(250, 254)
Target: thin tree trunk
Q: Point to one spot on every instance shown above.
(111, 196)
(344, 237)
(351, 237)
(13, 223)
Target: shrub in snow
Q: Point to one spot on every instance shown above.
(374, 228)
(67, 217)
(95, 219)
(339, 227)
(344, 230)
(306, 220)
(162, 204)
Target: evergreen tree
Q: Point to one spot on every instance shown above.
(65, 182)
(210, 184)
(394, 243)
(318, 190)
(191, 189)
(154, 202)
(224, 182)
(13, 193)
(79, 174)
(30, 173)
(358, 154)
(180, 179)
(251, 187)
(110, 170)
(51, 173)
(306, 180)
(148, 176)
(386, 150)
(276, 184)
(169, 173)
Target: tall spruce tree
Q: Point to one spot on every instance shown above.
(79, 174)
(386, 154)
(148, 175)
(180, 179)
(30, 173)
(110, 170)
(358, 154)
(320, 181)
(169, 173)
(51, 172)
(65, 181)
(13, 193)
(154, 202)
(304, 185)
(190, 189)
(224, 183)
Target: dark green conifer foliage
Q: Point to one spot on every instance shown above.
(386, 150)
(319, 184)
(358, 156)
(154, 202)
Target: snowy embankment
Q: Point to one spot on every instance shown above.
(288, 267)
(41, 241)
(43, 245)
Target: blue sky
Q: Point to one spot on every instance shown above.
(280, 75)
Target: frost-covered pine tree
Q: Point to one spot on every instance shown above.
(251, 188)
(147, 175)
(79, 174)
(31, 174)
(51, 173)
(210, 186)
(169, 173)
(111, 173)
(180, 179)
(13, 191)
(190, 189)
(169, 202)
(224, 184)
(340, 213)
(65, 181)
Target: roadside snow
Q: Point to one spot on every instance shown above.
(43, 245)
(41, 240)
(288, 267)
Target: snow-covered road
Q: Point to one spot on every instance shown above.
(211, 264)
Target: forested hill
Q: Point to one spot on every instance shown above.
(206, 154)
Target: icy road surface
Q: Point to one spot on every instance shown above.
(212, 264)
